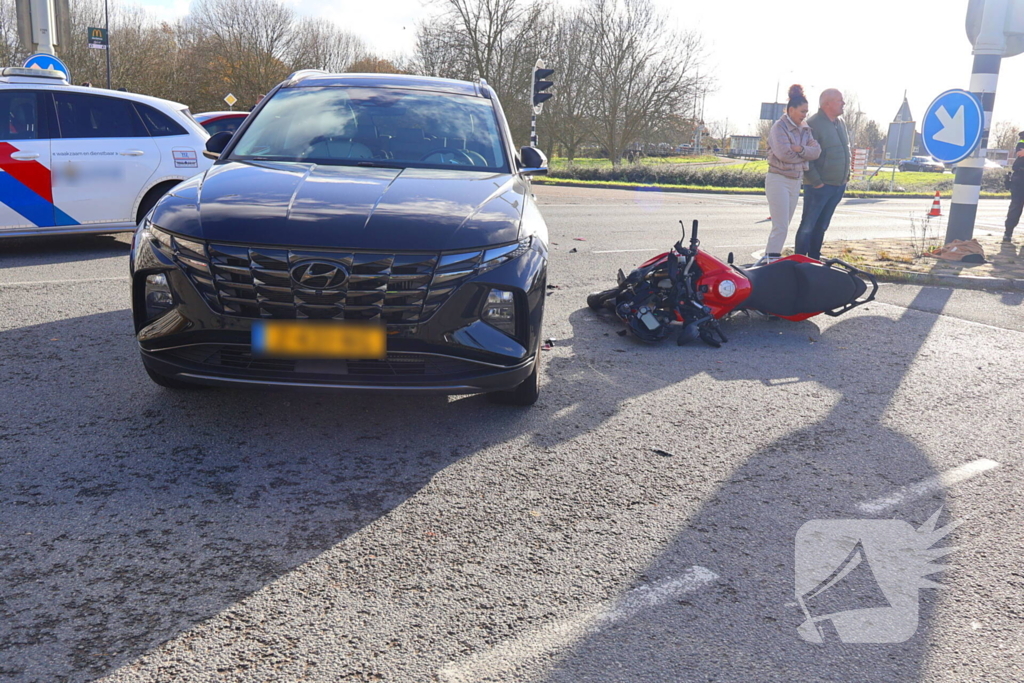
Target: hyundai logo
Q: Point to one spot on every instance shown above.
(319, 275)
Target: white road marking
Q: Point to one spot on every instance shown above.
(623, 251)
(557, 636)
(928, 486)
(62, 282)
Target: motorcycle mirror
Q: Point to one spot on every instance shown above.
(688, 334)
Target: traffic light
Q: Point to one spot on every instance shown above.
(540, 85)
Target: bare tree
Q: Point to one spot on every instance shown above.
(251, 40)
(645, 71)
(319, 44)
(566, 118)
(497, 40)
(12, 53)
(855, 119)
(1004, 135)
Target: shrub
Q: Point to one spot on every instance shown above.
(665, 174)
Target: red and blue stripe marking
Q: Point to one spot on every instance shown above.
(26, 187)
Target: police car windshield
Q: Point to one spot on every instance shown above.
(375, 126)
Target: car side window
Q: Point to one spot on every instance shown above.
(158, 123)
(19, 115)
(94, 116)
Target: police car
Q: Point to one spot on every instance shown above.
(86, 160)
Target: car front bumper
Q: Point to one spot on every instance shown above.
(449, 351)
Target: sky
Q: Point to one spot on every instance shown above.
(872, 50)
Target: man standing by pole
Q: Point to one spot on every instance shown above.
(996, 30)
(1016, 191)
(825, 181)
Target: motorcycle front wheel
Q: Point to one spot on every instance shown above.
(602, 300)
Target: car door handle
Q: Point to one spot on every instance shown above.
(24, 156)
(132, 153)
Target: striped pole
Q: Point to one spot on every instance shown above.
(533, 130)
(967, 182)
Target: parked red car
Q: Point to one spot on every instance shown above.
(219, 121)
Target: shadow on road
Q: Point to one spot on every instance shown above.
(131, 514)
(745, 626)
(47, 250)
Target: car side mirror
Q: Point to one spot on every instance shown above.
(532, 161)
(216, 144)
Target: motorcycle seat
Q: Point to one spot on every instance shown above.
(788, 288)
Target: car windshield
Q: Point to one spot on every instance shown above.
(375, 127)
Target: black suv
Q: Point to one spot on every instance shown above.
(357, 232)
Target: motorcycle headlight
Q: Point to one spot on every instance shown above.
(500, 311)
(498, 255)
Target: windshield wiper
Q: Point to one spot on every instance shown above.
(378, 164)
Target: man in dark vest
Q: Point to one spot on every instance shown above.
(825, 180)
(1016, 191)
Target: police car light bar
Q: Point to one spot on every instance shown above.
(34, 73)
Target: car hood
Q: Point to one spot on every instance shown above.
(346, 207)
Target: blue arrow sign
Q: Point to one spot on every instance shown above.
(953, 125)
(44, 61)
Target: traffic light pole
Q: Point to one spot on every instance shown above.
(967, 181)
(539, 96)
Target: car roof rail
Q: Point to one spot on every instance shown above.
(304, 73)
(49, 74)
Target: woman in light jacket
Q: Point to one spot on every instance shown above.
(790, 147)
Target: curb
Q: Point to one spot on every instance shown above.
(1002, 284)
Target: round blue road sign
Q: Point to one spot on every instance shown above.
(953, 125)
(42, 60)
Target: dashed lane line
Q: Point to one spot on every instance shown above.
(549, 639)
(927, 486)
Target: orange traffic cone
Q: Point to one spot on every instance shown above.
(936, 207)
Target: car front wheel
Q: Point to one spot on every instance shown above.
(525, 394)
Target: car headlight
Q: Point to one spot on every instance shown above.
(500, 311)
(158, 295)
(498, 255)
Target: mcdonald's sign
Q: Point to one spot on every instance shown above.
(98, 38)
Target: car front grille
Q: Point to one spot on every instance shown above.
(256, 282)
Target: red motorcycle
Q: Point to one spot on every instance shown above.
(692, 287)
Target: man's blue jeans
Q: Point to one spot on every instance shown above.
(819, 205)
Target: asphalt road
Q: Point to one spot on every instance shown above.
(637, 524)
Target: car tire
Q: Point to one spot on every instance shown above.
(152, 197)
(169, 382)
(599, 300)
(525, 394)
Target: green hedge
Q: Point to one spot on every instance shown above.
(663, 174)
(738, 177)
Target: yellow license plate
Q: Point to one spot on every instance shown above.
(318, 339)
